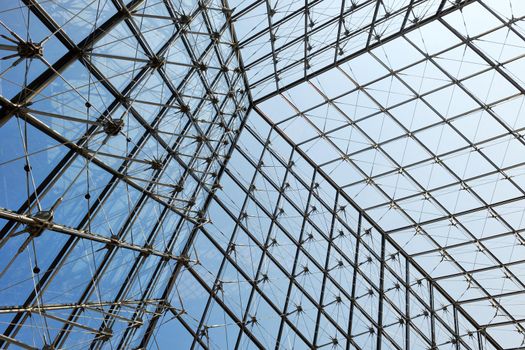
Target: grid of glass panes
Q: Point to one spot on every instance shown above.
(116, 121)
(288, 262)
(425, 133)
(284, 41)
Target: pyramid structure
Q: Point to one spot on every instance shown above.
(262, 174)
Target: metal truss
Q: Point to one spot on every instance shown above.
(421, 131)
(306, 39)
(317, 291)
(262, 174)
(139, 113)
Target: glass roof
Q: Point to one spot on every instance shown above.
(284, 41)
(262, 174)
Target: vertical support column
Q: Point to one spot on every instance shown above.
(294, 268)
(381, 294)
(407, 305)
(432, 317)
(354, 280)
(325, 272)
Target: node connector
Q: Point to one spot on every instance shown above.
(42, 215)
(29, 49)
(112, 127)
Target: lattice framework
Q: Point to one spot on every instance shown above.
(261, 174)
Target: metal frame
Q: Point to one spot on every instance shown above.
(284, 254)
